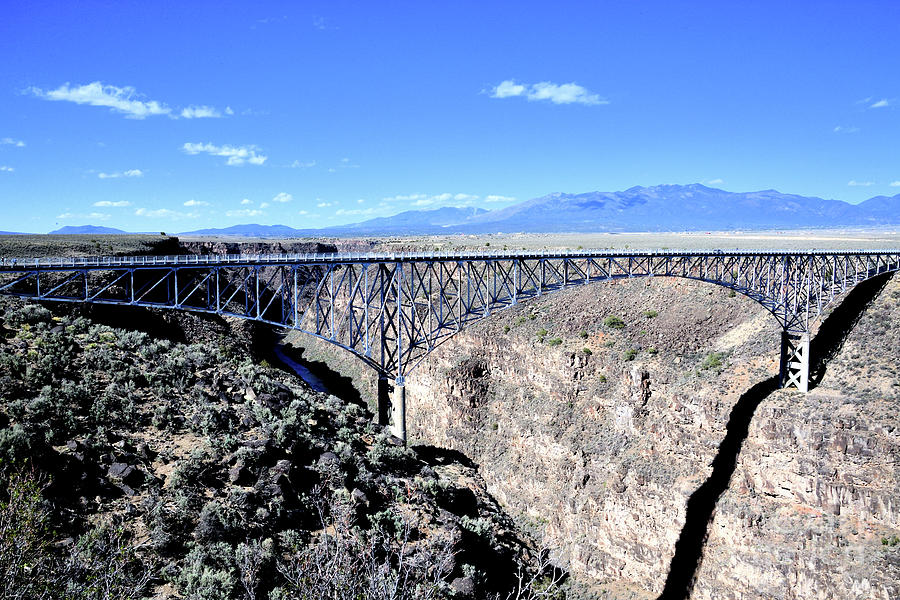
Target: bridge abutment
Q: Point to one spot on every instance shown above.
(795, 361)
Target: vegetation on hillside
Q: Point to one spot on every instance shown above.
(132, 466)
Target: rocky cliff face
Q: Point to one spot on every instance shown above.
(598, 435)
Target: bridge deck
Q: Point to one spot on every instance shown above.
(23, 264)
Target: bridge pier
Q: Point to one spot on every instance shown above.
(795, 361)
(392, 405)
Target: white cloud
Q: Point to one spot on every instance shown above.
(120, 99)
(246, 201)
(193, 202)
(404, 198)
(244, 212)
(6, 169)
(508, 89)
(302, 212)
(361, 201)
(200, 112)
(423, 202)
(881, 103)
(496, 198)
(128, 173)
(355, 211)
(94, 216)
(324, 204)
(895, 184)
(11, 142)
(855, 183)
(236, 155)
(842, 129)
(283, 197)
(228, 111)
(716, 181)
(117, 203)
(302, 165)
(557, 93)
(264, 205)
(163, 213)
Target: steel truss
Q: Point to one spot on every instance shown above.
(391, 310)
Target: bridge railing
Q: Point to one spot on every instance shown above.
(332, 257)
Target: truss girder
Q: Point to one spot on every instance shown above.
(392, 310)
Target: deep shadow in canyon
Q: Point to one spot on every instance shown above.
(702, 503)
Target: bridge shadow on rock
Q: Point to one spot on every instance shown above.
(835, 328)
(702, 503)
(338, 385)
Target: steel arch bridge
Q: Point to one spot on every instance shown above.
(392, 309)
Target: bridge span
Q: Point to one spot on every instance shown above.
(392, 309)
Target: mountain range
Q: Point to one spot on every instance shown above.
(658, 208)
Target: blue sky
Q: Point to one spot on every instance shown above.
(174, 116)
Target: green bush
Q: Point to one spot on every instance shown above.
(614, 322)
(583, 334)
(651, 314)
(712, 361)
(629, 354)
(554, 341)
(587, 350)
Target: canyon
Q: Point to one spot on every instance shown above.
(598, 437)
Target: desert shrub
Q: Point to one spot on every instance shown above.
(554, 341)
(712, 361)
(629, 354)
(15, 447)
(24, 539)
(52, 413)
(208, 572)
(346, 562)
(652, 350)
(30, 314)
(587, 351)
(651, 314)
(583, 334)
(614, 322)
(520, 320)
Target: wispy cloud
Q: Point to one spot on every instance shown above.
(193, 202)
(163, 213)
(125, 100)
(6, 169)
(356, 211)
(244, 212)
(119, 175)
(236, 155)
(855, 183)
(302, 165)
(324, 204)
(843, 129)
(11, 142)
(496, 198)
(201, 112)
(282, 197)
(716, 181)
(116, 203)
(246, 201)
(895, 184)
(94, 216)
(884, 102)
(557, 93)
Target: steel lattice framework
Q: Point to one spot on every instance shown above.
(391, 310)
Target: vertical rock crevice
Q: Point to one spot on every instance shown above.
(702, 503)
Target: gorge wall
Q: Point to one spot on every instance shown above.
(597, 435)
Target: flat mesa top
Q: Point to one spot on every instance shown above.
(23, 264)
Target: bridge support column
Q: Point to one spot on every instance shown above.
(392, 406)
(398, 410)
(384, 401)
(795, 361)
